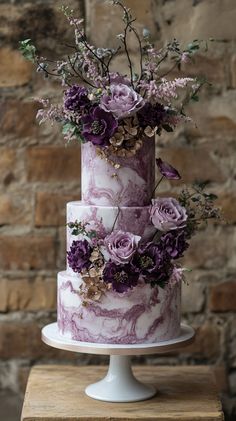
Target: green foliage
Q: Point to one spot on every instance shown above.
(71, 129)
(28, 50)
(167, 128)
(199, 205)
(79, 228)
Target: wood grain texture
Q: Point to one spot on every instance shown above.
(185, 393)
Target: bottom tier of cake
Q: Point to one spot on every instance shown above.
(141, 315)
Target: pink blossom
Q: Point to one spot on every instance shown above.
(166, 90)
(176, 276)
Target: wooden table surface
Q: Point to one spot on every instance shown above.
(185, 393)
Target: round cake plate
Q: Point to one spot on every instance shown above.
(119, 385)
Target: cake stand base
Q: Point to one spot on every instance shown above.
(119, 385)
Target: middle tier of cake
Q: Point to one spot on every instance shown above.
(104, 219)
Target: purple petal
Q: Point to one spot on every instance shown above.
(167, 170)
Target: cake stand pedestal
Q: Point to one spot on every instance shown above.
(119, 385)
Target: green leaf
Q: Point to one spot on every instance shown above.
(195, 98)
(75, 231)
(92, 234)
(28, 50)
(67, 127)
(193, 46)
(167, 128)
(210, 196)
(73, 130)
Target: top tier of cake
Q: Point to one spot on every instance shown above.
(130, 185)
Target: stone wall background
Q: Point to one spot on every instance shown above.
(39, 175)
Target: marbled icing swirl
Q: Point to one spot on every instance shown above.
(132, 184)
(141, 315)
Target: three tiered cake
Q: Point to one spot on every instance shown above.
(117, 200)
(123, 280)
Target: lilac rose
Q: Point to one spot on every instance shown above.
(121, 246)
(123, 100)
(167, 214)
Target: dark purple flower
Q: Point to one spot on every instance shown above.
(152, 263)
(76, 97)
(122, 277)
(152, 115)
(167, 170)
(98, 126)
(79, 254)
(174, 243)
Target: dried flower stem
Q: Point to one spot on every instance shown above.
(159, 182)
(115, 221)
(79, 73)
(84, 42)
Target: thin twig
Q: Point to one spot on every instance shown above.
(140, 51)
(114, 224)
(159, 182)
(84, 42)
(127, 54)
(170, 70)
(46, 71)
(78, 73)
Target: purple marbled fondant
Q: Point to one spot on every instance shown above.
(141, 315)
(130, 185)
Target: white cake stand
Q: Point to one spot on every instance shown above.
(119, 385)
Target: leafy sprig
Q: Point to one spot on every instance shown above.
(200, 206)
(79, 228)
(28, 50)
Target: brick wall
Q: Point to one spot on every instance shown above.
(39, 175)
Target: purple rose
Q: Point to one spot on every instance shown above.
(167, 170)
(121, 246)
(79, 254)
(76, 97)
(122, 101)
(122, 277)
(98, 126)
(152, 263)
(167, 214)
(174, 243)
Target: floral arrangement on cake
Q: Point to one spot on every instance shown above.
(121, 260)
(113, 111)
(118, 113)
